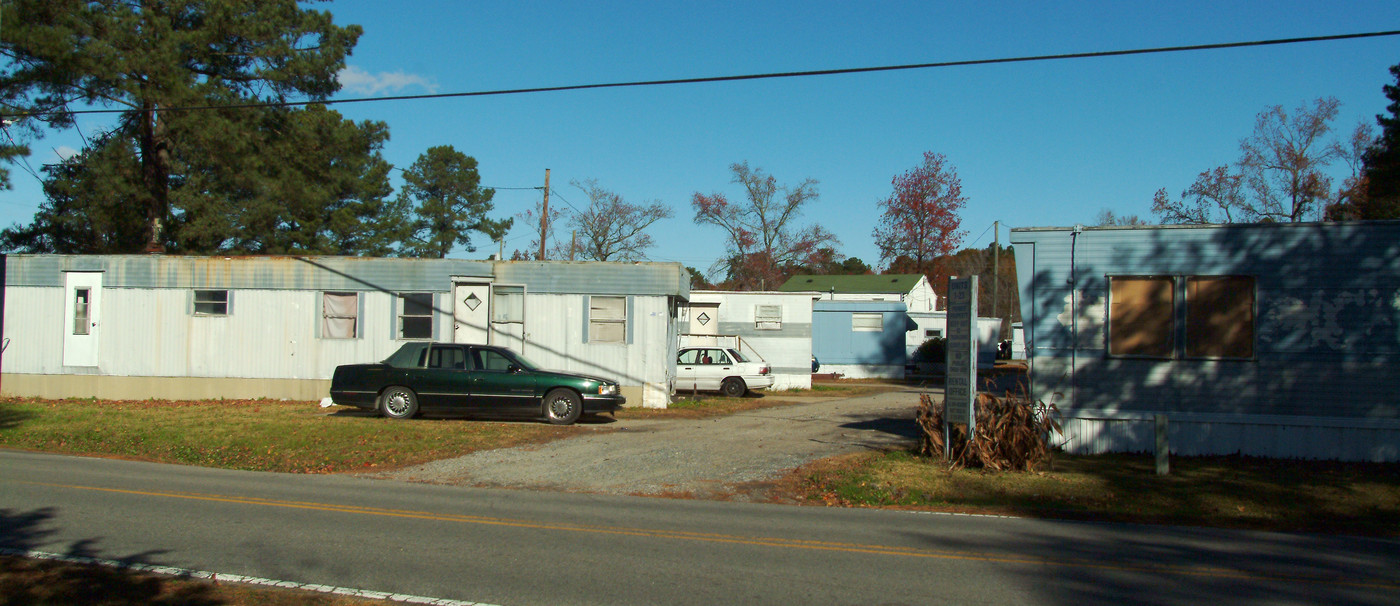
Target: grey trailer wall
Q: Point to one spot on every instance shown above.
(1318, 380)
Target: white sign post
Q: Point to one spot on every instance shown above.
(960, 390)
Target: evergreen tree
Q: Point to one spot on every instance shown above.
(153, 59)
(1382, 161)
(444, 191)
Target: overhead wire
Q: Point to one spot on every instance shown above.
(759, 76)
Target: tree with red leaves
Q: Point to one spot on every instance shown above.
(920, 221)
(762, 240)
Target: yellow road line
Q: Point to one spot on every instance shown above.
(1195, 571)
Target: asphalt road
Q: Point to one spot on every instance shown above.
(526, 547)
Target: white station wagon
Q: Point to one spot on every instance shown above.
(722, 369)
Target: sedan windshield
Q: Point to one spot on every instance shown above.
(524, 362)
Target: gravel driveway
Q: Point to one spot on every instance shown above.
(723, 457)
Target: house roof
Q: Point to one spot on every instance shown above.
(889, 283)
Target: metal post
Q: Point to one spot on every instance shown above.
(1164, 465)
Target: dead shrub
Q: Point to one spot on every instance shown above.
(1013, 433)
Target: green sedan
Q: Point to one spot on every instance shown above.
(461, 378)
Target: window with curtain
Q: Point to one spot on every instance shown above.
(867, 322)
(340, 315)
(607, 319)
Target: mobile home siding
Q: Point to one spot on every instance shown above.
(860, 354)
(1326, 339)
(269, 344)
(788, 349)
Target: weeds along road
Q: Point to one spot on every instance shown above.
(527, 547)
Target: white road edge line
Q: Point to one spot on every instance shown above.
(238, 578)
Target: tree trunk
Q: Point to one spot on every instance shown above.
(155, 174)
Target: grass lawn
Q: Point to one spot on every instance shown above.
(1234, 492)
(258, 435)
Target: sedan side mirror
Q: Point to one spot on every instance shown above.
(514, 369)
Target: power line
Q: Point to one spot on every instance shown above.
(764, 76)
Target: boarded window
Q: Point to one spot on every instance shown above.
(1141, 316)
(211, 302)
(416, 315)
(340, 315)
(768, 317)
(607, 319)
(1220, 317)
(866, 322)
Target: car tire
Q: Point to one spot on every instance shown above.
(562, 406)
(398, 403)
(733, 387)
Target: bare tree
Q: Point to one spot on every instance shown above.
(1282, 162)
(1108, 217)
(1279, 175)
(1351, 196)
(1210, 199)
(612, 229)
(761, 237)
(531, 219)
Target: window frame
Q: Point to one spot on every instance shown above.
(878, 326)
(1181, 318)
(82, 310)
(196, 302)
(773, 320)
(1187, 330)
(359, 307)
(1172, 324)
(593, 336)
(401, 301)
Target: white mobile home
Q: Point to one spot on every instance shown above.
(775, 325)
(144, 326)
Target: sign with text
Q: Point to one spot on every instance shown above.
(960, 391)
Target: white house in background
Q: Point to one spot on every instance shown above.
(177, 327)
(775, 325)
(913, 290)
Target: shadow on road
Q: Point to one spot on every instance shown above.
(28, 580)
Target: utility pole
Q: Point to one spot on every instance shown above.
(573, 243)
(996, 269)
(544, 216)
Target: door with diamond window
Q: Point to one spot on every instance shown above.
(471, 312)
(704, 323)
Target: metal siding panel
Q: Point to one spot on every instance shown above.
(562, 277)
(33, 331)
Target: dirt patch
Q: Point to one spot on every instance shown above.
(739, 456)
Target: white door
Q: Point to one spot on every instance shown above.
(82, 317)
(508, 317)
(704, 324)
(471, 312)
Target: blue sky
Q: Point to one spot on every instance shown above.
(1036, 144)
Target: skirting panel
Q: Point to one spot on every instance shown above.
(161, 388)
(1260, 438)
